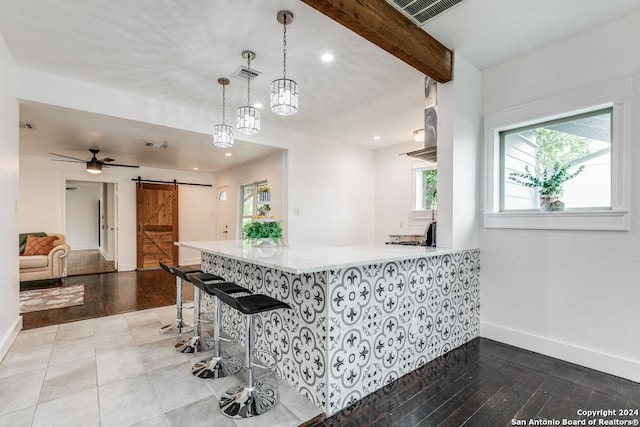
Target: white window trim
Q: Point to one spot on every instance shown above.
(617, 94)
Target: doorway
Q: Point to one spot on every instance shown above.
(91, 224)
(222, 212)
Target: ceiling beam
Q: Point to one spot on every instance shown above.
(383, 25)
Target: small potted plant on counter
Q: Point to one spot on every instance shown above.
(549, 184)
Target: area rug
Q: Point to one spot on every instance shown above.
(47, 299)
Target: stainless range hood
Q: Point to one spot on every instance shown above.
(430, 150)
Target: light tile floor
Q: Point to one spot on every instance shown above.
(120, 371)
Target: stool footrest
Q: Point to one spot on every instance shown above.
(216, 367)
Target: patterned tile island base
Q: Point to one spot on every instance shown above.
(353, 330)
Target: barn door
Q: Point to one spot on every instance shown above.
(157, 224)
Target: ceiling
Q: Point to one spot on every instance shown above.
(175, 51)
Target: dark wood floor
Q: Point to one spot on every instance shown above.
(486, 384)
(88, 262)
(483, 383)
(107, 294)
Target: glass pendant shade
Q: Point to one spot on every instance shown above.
(223, 133)
(248, 120)
(248, 116)
(284, 91)
(223, 136)
(284, 97)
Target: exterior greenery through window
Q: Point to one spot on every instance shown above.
(249, 201)
(426, 187)
(575, 142)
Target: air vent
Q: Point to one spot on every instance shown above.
(243, 72)
(157, 145)
(421, 11)
(27, 125)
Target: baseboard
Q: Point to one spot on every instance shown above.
(126, 267)
(588, 357)
(10, 337)
(106, 256)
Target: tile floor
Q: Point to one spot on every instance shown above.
(119, 371)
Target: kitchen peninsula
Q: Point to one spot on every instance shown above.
(361, 316)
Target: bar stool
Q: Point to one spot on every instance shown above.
(197, 343)
(217, 366)
(255, 398)
(178, 327)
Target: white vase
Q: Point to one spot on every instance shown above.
(548, 202)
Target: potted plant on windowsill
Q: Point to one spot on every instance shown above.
(549, 184)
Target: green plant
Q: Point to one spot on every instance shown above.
(264, 189)
(263, 230)
(549, 182)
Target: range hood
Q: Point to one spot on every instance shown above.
(430, 150)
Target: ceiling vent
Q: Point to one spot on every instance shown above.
(27, 125)
(421, 11)
(243, 72)
(157, 145)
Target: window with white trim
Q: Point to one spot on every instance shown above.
(582, 142)
(597, 198)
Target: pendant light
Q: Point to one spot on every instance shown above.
(284, 91)
(223, 133)
(248, 116)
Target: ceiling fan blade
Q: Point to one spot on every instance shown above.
(107, 160)
(68, 157)
(119, 165)
(70, 161)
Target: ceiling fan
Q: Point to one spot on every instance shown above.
(94, 165)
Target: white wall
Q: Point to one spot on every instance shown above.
(82, 215)
(10, 321)
(568, 294)
(42, 184)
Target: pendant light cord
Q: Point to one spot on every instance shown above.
(284, 44)
(223, 102)
(249, 79)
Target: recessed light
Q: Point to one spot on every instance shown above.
(228, 154)
(258, 105)
(377, 137)
(327, 57)
(196, 169)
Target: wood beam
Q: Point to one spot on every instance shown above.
(381, 24)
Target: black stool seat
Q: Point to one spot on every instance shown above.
(226, 287)
(250, 304)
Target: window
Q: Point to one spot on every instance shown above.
(588, 127)
(426, 184)
(581, 141)
(249, 201)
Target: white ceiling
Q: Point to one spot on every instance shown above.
(175, 51)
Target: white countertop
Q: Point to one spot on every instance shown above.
(300, 259)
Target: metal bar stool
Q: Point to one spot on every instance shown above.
(197, 343)
(217, 366)
(178, 327)
(254, 398)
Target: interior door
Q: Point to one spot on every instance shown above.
(157, 225)
(222, 211)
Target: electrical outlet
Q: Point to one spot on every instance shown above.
(401, 224)
(296, 211)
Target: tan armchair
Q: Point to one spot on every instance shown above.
(51, 266)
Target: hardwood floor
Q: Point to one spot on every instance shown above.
(108, 293)
(485, 383)
(88, 262)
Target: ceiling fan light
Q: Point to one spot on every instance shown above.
(94, 166)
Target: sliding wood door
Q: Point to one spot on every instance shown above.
(157, 225)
